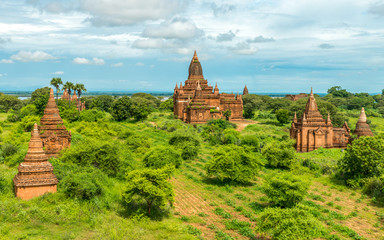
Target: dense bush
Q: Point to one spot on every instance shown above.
(364, 158)
(213, 130)
(251, 141)
(285, 189)
(167, 105)
(161, 156)
(102, 102)
(100, 154)
(8, 102)
(4, 185)
(230, 136)
(121, 108)
(39, 98)
(91, 115)
(289, 224)
(170, 125)
(283, 116)
(86, 183)
(138, 143)
(140, 108)
(28, 110)
(28, 122)
(374, 187)
(152, 185)
(188, 141)
(233, 163)
(280, 154)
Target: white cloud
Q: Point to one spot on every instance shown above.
(139, 64)
(148, 43)
(9, 61)
(178, 28)
(59, 73)
(37, 56)
(94, 61)
(243, 48)
(222, 37)
(260, 39)
(119, 64)
(119, 13)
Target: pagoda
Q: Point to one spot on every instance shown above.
(65, 95)
(35, 176)
(53, 133)
(197, 101)
(362, 127)
(312, 131)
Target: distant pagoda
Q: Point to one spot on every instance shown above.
(35, 176)
(362, 127)
(53, 133)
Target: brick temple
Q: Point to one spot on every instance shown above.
(53, 133)
(35, 176)
(362, 128)
(198, 102)
(80, 105)
(312, 131)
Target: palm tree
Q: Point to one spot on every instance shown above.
(56, 82)
(69, 86)
(79, 88)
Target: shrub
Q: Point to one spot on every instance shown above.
(364, 158)
(213, 130)
(91, 115)
(85, 184)
(230, 136)
(28, 110)
(152, 185)
(285, 189)
(4, 185)
(137, 141)
(9, 149)
(161, 156)
(251, 141)
(280, 154)
(28, 122)
(233, 163)
(283, 116)
(374, 187)
(121, 108)
(185, 136)
(289, 224)
(100, 154)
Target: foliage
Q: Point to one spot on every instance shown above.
(79, 88)
(233, 163)
(227, 114)
(102, 102)
(153, 101)
(100, 154)
(8, 102)
(161, 156)
(289, 224)
(68, 112)
(167, 105)
(283, 116)
(152, 185)
(28, 122)
(188, 141)
(57, 82)
(374, 187)
(85, 184)
(138, 143)
(280, 154)
(4, 185)
(337, 91)
(230, 136)
(285, 189)
(171, 125)
(250, 141)
(213, 130)
(40, 98)
(91, 115)
(121, 108)
(364, 158)
(28, 110)
(140, 108)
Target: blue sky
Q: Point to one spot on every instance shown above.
(146, 45)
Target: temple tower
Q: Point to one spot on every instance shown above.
(245, 91)
(35, 176)
(362, 127)
(65, 95)
(53, 133)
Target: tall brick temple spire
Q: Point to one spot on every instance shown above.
(35, 176)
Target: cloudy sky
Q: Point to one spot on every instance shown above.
(146, 45)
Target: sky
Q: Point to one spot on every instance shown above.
(272, 46)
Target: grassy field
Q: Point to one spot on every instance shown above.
(204, 208)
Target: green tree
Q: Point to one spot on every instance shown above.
(285, 189)
(57, 82)
(102, 102)
(8, 102)
(91, 115)
(167, 105)
(233, 163)
(79, 88)
(28, 110)
(121, 108)
(337, 91)
(283, 116)
(230, 136)
(227, 114)
(280, 154)
(140, 108)
(152, 185)
(188, 141)
(161, 156)
(364, 158)
(153, 101)
(69, 86)
(251, 141)
(40, 98)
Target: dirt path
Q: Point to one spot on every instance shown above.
(243, 123)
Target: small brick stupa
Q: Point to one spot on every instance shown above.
(362, 127)
(35, 176)
(65, 95)
(53, 133)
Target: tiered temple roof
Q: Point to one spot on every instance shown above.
(362, 127)
(65, 95)
(53, 133)
(35, 176)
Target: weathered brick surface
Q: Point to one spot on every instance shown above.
(198, 102)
